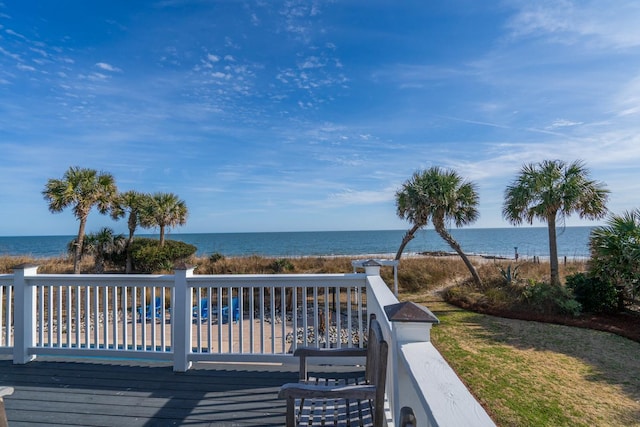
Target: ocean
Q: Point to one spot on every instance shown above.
(529, 241)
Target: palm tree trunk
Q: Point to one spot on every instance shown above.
(553, 250)
(439, 226)
(79, 243)
(161, 235)
(133, 221)
(129, 263)
(409, 235)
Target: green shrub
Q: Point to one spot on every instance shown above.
(281, 265)
(149, 257)
(215, 257)
(550, 299)
(595, 295)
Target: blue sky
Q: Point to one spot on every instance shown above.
(309, 115)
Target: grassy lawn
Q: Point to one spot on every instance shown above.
(529, 373)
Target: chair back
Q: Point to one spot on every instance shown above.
(376, 365)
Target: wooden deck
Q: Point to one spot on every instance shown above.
(92, 392)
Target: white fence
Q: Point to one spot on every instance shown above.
(187, 318)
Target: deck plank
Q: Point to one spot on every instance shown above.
(91, 393)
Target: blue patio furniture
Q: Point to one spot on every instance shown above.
(152, 312)
(235, 310)
(203, 310)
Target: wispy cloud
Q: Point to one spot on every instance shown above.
(108, 67)
(568, 21)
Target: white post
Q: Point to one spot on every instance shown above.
(24, 313)
(371, 268)
(181, 319)
(411, 323)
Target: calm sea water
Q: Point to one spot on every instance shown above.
(572, 242)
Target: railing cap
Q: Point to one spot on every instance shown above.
(371, 263)
(409, 312)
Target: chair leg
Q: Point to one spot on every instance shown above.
(291, 412)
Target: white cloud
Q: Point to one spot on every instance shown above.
(213, 58)
(25, 67)
(561, 123)
(9, 54)
(108, 67)
(612, 24)
(15, 34)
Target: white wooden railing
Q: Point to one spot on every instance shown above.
(117, 316)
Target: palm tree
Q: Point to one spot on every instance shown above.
(134, 203)
(83, 189)
(442, 196)
(550, 191)
(102, 245)
(164, 210)
(615, 253)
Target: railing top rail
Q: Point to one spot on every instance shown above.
(101, 279)
(247, 278)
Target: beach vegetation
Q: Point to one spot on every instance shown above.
(148, 256)
(444, 197)
(595, 295)
(215, 257)
(131, 204)
(105, 246)
(551, 191)
(163, 210)
(510, 273)
(281, 265)
(82, 189)
(615, 254)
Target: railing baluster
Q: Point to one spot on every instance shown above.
(272, 301)
(163, 344)
(40, 315)
(349, 323)
(338, 312)
(68, 308)
(59, 321)
(327, 319)
(125, 311)
(50, 316)
(152, 315)
(76, 317)
(229, 318)
(134, 318)
(252, 321)
(283, 316)
(96, 318)
(87, 314)
(305, 316)
(105, 317)
(9, 314)
(261, 289)
(360, 332)
(316, 324)
(240, 319)
(294, 317)
(116, 311)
